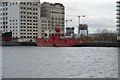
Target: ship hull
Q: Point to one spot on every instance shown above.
(10, 43)
(58, 43)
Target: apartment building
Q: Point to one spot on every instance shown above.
(118, 20)
(21, 17)
(52, 15)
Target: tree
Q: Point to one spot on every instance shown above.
(106, 35)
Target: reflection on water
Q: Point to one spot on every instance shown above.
(65, 62)
(119, 62)
(0, 62)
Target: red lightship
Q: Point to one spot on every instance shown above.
(57, 41)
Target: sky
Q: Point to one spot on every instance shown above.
(99, 14)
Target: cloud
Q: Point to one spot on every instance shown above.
(100, 14)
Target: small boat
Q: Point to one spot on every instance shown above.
(57, 41)
(7, 40)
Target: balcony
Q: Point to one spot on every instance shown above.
(118, 5)
(118, 9)
(118, 13)
(118, 25)
(119, 33)
(118, 1)
(118, 17)
(118, 29)
(118, 21)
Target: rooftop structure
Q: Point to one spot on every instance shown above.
(83, 30)
(70, 31)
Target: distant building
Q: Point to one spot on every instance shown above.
(52, 15)
(76, 36)
(69, 31)
(22, 17)
(118, 20)
(83, 30)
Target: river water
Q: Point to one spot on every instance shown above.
(59, 62)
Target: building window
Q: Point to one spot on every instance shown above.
(33, 8)
(33, 4)
(6, 4)
(3, 18)
(3, 9)
(24, 3)
(3, 4)
(52, 18)
(3, 23)
(21, 2)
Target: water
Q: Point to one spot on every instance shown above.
(0, 62)
(63, 62)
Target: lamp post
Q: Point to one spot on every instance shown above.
(67, 23)
(79, 21)
(79, 18)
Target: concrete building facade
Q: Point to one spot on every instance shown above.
(21, 17)
(118, 20)
(52, 15)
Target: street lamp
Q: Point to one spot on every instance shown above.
(79, 21)
(79, 18)
(67, 22)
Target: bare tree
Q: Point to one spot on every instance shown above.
(105, 35)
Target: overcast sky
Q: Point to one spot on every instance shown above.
(100, 14)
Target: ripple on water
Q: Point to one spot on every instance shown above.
(60, 62)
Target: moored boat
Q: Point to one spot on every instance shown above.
(7, 40)
(57, 41)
